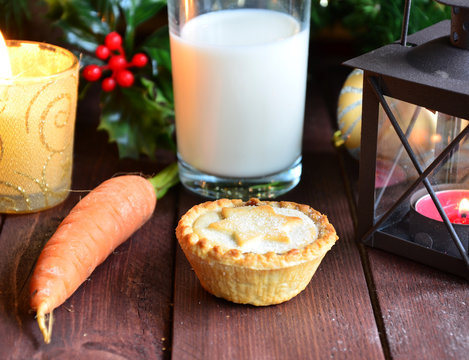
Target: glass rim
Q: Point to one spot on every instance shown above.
(43, 46)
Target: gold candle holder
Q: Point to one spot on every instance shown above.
(37, 122)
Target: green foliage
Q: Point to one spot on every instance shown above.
(139, 119)
(136, 119)
(374, 23)
(12, 15)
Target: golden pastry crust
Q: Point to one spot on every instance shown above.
(255, 278)
(191, 241)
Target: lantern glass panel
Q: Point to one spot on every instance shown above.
(430, 135)
(394, 169)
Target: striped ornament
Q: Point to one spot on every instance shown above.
(349, 112)
(349, 117)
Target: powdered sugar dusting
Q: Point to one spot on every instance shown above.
(259, 231)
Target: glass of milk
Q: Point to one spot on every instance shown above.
(239, 75)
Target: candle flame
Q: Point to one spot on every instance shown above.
(436, 138)
(5, 66)
(463, 208)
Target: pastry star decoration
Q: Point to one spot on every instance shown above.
(252, 223)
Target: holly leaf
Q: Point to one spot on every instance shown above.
(138, 119)
(157, 46)
(136, 12)
(80, 21)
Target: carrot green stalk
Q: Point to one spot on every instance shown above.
(98, 223)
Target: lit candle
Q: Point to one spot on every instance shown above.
(455, 204)
(5, 66)
(38, 95)
(463, 210)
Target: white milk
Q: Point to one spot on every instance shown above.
(239, 81)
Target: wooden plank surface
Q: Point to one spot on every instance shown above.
(332, 318)
(124, 309)
(424, 311)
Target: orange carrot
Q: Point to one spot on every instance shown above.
(99, 223)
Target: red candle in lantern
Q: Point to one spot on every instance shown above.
(455, 203)
(463, 210)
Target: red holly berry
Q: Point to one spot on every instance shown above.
(117, 62)
(113, 40)
(139, 60)
(114, 54)
(108, 84)
(102, 52)
(92, 72)
(125, 78)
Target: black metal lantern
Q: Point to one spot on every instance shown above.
(416, 209)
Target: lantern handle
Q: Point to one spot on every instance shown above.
(405, 22)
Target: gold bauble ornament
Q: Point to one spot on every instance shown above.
(349, 113)
(349, 116)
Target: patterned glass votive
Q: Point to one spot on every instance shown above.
(37, 122)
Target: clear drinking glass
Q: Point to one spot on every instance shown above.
(37, 121)
(239, 74)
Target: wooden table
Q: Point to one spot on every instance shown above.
(145, 302)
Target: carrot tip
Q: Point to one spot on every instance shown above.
(46, 330)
